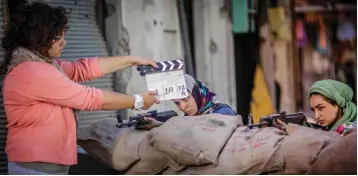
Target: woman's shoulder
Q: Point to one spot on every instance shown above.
(224, 109)
(32, 67)
(30, 73)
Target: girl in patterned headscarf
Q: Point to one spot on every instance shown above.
(201, 100)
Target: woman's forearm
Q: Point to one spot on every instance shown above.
(117, 101)
(115, 63)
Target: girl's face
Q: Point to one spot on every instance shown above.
(325, 113)
(187, 105)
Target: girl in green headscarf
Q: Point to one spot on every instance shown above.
(331, 102)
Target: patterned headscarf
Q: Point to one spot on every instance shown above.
(205, 100)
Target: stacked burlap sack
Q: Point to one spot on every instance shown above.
(208, 144)
(124, 149)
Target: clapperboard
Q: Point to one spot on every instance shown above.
(167, 80)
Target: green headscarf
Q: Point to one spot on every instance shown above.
(342, 94)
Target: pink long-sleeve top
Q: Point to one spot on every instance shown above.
(38, 101)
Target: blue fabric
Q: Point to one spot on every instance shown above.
(15, 169)
(224, 109)
(80, 150)
(346, 31)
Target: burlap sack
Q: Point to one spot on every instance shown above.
(302, 146)
(151, 160)
(101, 153)
(339, 158)
(126, 148)
(115, 147)
(169, 171)
(248, 151)
(194, 140)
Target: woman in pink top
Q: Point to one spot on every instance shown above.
(41, 92)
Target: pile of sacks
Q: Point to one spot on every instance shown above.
(218, 144)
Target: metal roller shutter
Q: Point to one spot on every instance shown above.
(3, 130)
(84, 39)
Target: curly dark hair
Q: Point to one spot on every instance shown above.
(34, 27)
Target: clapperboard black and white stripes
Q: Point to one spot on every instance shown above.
(168, 80)
(163, 66)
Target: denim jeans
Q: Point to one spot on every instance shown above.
(17, 169)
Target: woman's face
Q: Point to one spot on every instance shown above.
(187, 105)
(325, 113)
(57, 46)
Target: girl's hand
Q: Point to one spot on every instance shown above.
(280, 125)
(153, 124)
